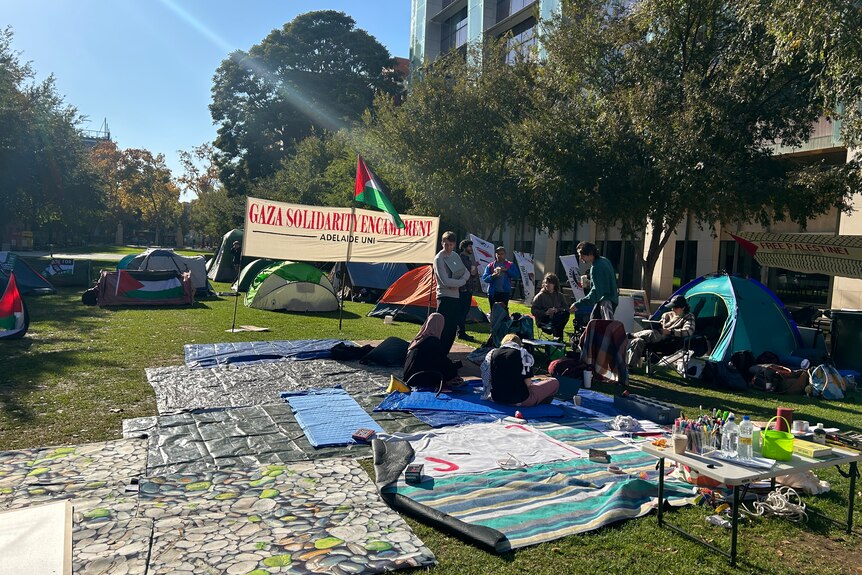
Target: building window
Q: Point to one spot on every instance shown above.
(684, 263)
(453, 32)
(521, 41)
(506, 8)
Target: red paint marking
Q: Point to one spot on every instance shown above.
(450, 466)
(519, 426)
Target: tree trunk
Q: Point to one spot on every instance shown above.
(661, 232)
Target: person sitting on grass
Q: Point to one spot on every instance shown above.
(679, 322)
(507, 376)
(550, 308)
(426, 356)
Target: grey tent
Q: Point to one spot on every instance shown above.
(159, 259)
(29, 281)
(220, 268)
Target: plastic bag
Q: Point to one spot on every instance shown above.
(826, 382)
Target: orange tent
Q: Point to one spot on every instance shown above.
(412, 296)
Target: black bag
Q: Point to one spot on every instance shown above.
(391, 352)
(767, 357)
(724, 374)
(344, 352)
(90, 297)
(743, 361)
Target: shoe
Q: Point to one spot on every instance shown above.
(466, 337)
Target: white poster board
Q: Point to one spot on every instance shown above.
(37, 539)
(528, 275)
(483, 252)
(322, 234)
(573, 274)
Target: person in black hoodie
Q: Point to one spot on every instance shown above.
(426, 354)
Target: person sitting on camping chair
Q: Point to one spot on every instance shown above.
(550, 308)
(427, 364)
(507, 376)
(677, 323)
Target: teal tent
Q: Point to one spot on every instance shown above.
(292, 286)
(737, 314)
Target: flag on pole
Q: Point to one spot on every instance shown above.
(369, 191)
(11, 308)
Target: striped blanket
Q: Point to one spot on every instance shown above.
(511, 508)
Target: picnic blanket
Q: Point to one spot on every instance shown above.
(212, 354)
(603, 346)
(505, 509)
(471, 402)
(328, 416)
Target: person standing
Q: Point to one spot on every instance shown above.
(604, 294)
(549, 307)
(466, 291)
(236, 254)
(499, 275)
(450, 275)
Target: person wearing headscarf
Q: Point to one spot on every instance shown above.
(426, 354)
(507, 376)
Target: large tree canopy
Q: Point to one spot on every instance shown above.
(662, 109)
(318, 71)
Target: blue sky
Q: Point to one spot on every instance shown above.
(147, 65)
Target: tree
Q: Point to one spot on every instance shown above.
(46, 178)
(318, 72)
(449, 144)
(665, 109)
(827, 34)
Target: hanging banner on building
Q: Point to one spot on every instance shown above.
(483, 251)
(806, 253)
(322, 234)
(528, 274)
(60, 267)
(573, 274)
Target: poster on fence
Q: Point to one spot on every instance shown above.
(323, 234)
(59, 266)
(483, 251)
(573, 274)
(528, 275)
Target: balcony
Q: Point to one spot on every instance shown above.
(449, 8)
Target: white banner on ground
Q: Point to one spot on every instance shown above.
(573, 274)
(483, 251)
(321, 234)
(528, 275)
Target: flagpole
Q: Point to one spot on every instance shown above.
(347, 260)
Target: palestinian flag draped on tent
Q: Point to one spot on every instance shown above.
(13, 312)
(127, 287)
(369, 191)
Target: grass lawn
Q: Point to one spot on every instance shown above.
(80, 372)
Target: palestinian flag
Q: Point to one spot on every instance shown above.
(12, 317)
(369, 191)
(150, 289)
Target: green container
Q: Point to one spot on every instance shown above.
(777, 445)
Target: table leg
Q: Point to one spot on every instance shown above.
(734, 522)
(660, 489)
(852, 497)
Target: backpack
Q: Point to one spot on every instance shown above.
(826, 382)
(724, 374)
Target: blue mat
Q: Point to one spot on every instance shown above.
(328, 416)
(599, 402)
(462, 402)
(214, 354)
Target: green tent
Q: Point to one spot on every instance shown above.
(249, 272)
(292, 286)
(220, 268)
(737, 314)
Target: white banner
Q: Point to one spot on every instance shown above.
(321, 234)
(573, 274)
(528, 275)
(484, 253)
(806, 253)
(58, 267)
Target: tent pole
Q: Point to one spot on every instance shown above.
(347, 260)
(235, 303)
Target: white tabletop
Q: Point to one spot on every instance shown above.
(731, 474)
(545, 342)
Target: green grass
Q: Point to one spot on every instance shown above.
(80, 372)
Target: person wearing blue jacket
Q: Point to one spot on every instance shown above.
(499, 275)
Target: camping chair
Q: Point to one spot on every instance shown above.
(667, 352)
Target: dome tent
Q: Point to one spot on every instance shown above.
(292, 286)
(250, 272)
(737, 314)
(220, 268)
(163, 259)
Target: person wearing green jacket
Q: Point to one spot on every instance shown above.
(604, 294)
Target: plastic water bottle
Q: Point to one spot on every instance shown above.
(746, 431)
(730, 437)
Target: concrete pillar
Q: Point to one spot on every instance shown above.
(545, 256)
(118, 236)
(179, 241)
(662, 278)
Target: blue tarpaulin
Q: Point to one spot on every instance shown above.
(329, 416)
(462, 402)
(214, 354)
